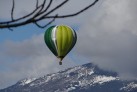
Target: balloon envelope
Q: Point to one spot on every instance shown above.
(60, 40)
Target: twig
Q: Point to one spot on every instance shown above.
(46, 24)
(71, 15)
(12, 11)
(26, 16)
(52, 10)
(47, 7)
(42, 6)
(37, 3)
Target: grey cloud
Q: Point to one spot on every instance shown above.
(110, 40)
(27, 58)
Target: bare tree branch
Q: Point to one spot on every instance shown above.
(10, 29)
(12, 11)
(46, 24)
(46, 7)
(71, 15)
(40, 26)
(40, 13)
(58, 6)
(42, 6)
(24, 17)
(37, 3)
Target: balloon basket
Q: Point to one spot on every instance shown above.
(60, 63)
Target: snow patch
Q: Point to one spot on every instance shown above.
(73, 69)
(48, 78)
(44, 80)
(103, 79)
(80, 74)
(27, 81)
(70, 89)
(129, 86)
(91, 72)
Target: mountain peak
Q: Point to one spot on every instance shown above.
(84, 78)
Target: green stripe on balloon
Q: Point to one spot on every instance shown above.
(64, 40)
(59, 40)
(74, 41)
(48, 40)
(70, 39)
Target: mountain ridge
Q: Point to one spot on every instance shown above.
(84, 78)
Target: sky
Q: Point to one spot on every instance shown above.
(107, 37)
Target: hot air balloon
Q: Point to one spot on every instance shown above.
(60, 40)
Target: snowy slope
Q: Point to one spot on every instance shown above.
(85, 78)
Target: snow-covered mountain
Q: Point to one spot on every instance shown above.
(85, 78)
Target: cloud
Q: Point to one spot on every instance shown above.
(109, 39)
(28, 58)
